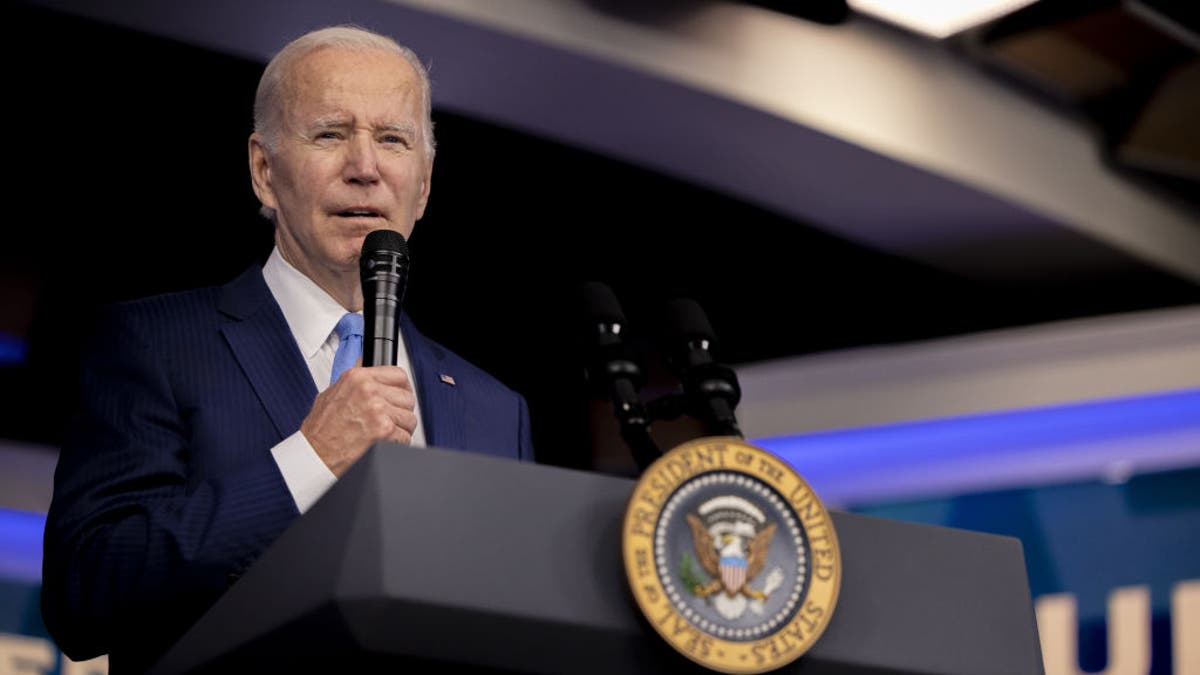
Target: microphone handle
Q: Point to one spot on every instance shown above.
(381, 324)
(721, 416)
(634, 423)
(383, 294)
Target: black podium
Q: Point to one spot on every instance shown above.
(437, 559)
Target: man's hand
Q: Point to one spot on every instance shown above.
(365, 405)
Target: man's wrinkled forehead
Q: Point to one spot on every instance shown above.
(325, 73)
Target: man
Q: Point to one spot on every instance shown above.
(210, 419)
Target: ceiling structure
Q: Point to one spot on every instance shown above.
(881, 137)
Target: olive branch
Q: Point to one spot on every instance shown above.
(690, 574)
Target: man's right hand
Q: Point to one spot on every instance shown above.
(365, 405)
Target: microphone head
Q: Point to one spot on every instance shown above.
(686, 320)
(609, 359)
(383, 252)
(600, 304)
(384, 240)
(689, 339)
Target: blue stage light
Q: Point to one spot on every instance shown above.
(12, 350)
(21, 545)
(1108, 439)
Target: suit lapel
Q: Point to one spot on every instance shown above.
(265, 349)
(443, 410)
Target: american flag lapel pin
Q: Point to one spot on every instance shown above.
(447, 379)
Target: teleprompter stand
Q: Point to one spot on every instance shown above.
(437, 559)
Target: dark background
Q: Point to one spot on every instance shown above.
(127, 177)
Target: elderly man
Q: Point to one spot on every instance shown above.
(210, 419)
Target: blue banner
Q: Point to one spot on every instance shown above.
(1113, 568)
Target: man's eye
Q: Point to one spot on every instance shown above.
(328, 135)
(394, 139)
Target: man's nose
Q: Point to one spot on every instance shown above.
(362, 163)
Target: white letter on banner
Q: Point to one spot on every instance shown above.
(96, 666)
(1128, 633)
(1185, 621)
(22, 655)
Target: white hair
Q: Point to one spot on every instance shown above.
(268, 108)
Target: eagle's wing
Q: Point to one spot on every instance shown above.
(705, 549)
(757, 559)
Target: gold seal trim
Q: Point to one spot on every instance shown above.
(708, 459)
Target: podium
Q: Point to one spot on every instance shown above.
(439, 559)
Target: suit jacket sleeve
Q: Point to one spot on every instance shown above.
(136, 546)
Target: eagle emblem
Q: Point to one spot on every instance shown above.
(720, 561)
(731, 537)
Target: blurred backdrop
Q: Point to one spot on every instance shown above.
(955, 260)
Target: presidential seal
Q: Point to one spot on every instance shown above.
(731, 556)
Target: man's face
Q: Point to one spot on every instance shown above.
(349, 158)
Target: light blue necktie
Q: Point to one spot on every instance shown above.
(350, 334)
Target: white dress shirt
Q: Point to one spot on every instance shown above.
(312, 314)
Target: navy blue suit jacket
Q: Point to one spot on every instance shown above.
(166, 489)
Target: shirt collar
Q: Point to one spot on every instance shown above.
(311, 313)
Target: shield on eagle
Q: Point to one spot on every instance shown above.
(733, 573)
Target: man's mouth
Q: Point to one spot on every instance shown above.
(359, 213)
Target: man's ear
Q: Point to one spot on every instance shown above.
(423, 198)
(260, 172)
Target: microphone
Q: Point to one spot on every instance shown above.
(612, 369)
(383, 268)
(712, 388)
